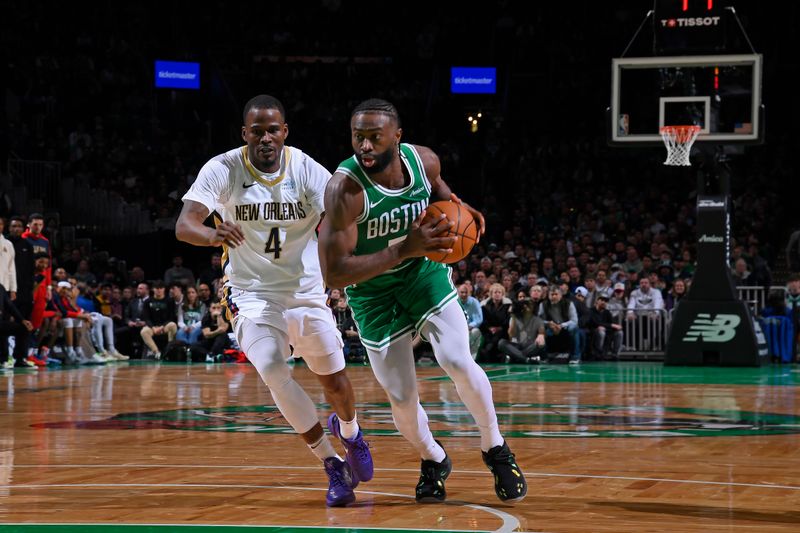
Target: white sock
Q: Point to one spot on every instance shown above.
(349, 429)
(432, 451)
(490, 437)
(323, 449)
(70, 350)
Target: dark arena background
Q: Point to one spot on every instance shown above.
(668, 401)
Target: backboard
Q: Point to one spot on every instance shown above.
(719, 93)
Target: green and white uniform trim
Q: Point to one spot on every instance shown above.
(403, 298)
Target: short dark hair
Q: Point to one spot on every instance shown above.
(376, 105)
(17, 218)
(263, 101)
(157, 284)
(35, 216)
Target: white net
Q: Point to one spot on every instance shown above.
(679, 141)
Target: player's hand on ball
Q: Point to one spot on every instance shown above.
(479, 220)
(425, 237)
(228, 234)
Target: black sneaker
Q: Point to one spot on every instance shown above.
(430, 488)
(509, 482)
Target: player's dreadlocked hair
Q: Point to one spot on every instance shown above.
(263, 101)
(376, 105)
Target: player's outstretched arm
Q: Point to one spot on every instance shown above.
(441, 191)
(338, 236)
(190, 228)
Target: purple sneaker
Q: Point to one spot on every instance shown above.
(357, 450)
(340, 486)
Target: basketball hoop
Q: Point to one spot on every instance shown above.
(679, 141)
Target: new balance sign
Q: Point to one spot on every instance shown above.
(721, 328)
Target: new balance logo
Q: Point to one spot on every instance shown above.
(722, 328)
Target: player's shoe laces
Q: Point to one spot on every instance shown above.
(430, 488)
(509, 482)
(357, 451)
(340, 486)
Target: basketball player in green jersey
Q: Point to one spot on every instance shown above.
(372, 241)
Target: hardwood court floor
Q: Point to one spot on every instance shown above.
(606, 448)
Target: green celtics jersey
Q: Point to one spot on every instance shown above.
(388, 213)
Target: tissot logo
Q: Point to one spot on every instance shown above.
(710, 238)
(721, 328)
(690, 22)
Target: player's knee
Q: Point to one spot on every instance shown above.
(275, 374)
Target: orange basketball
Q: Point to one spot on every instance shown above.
(465, 227)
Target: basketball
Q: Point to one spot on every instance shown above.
(465, 227)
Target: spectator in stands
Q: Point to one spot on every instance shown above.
(561, 325)
(204, 293)
(135, 315)
(480, 285)
(526, 335)
(8, 267)
(793, 252)
(354, 351)
(603, 284)
(591, 290)
(176, 294)
(24, 263)
(496, 315)
(675, 294)
(137, 276)
(474, 313)
(102, 326)
(632, 261)
(645, 298)
(178, 273)
(617, 303)
(579, 301)
(214, 330)
(742, 277)
(84, 274)
(190, 317)
(214, 270)
(605, 331)
(19, 328)
(159, 317)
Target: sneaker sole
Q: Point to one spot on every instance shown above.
(342, 503)
(431, 499)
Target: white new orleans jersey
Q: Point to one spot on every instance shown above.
(278, 214)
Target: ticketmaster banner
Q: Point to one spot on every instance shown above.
(473, 80)
(177, 75)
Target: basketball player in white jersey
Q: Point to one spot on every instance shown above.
(270, 199)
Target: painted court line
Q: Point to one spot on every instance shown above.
(244, 526)
(510, 522)
(416, 471)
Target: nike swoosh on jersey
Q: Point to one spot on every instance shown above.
(373, 204)
(248, 186)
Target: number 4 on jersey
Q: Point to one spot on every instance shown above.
(274, 243)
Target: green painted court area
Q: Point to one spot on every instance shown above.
(645, 372)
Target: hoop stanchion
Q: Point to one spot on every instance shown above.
(679, 141)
